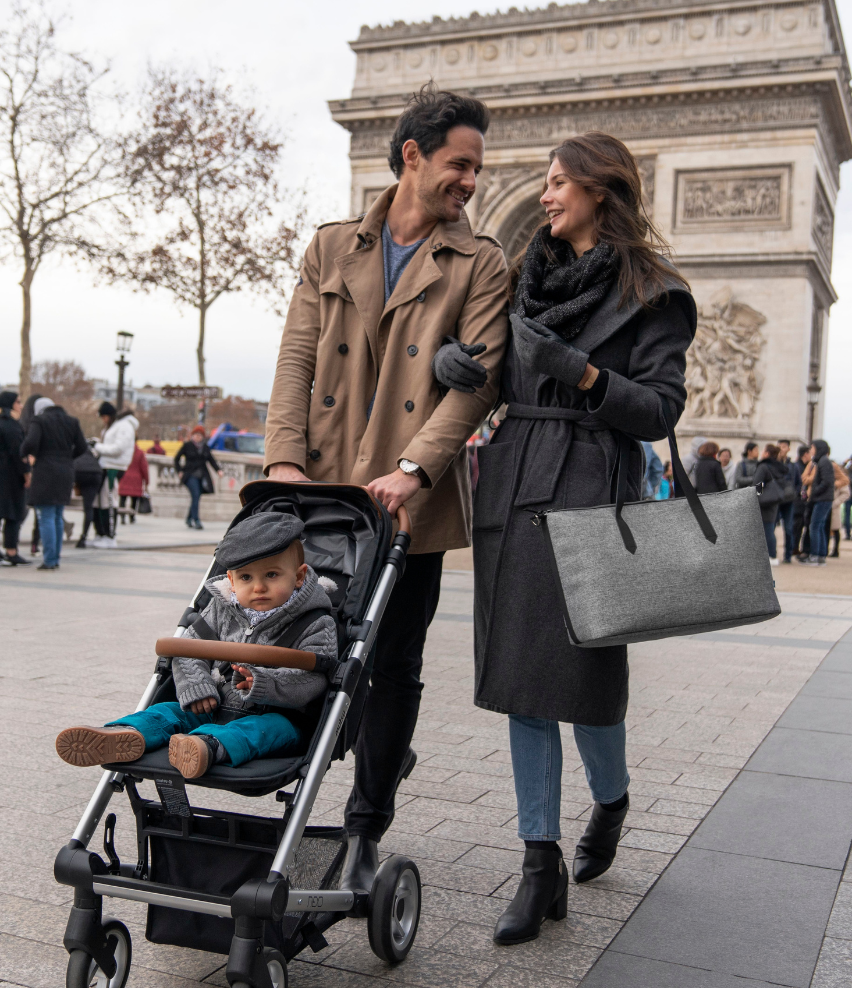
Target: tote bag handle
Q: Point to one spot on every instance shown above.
(683, 487)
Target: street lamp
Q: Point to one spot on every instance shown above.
(122, 345)
(814, 389)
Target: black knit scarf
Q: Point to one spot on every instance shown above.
(559, 289)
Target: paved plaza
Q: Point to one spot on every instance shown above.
(749, 731)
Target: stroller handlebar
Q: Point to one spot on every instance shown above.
(404, 519)
(269, 656)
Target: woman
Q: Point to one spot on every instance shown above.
(191, 464)
(54, 438)
(729, 468)
(134, 482)
(744, 473)
(770, 468)
(601, 324)
(14, 477)
(709, 477)
(114, 453)
(819, 481)
(841, 495)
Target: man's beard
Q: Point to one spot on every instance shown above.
(436, 202)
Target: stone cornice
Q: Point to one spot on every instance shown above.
(534, 116)
(562, 15)
(808, 264)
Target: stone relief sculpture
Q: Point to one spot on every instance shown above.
(722, 378)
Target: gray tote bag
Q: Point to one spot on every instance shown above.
(657, 569)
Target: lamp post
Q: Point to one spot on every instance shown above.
(122, 346)
(814, 389)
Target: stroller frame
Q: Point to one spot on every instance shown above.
(250, 963)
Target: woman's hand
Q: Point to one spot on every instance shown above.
(205, 706)
(221, 473)
(546, 353)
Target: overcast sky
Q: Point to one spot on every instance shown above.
(297, 57)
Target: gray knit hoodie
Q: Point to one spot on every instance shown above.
(196, 679)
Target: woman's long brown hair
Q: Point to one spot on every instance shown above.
(603, 166)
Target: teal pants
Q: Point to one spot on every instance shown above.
(252, 736)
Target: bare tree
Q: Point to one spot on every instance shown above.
(56, 164)
(206, 202)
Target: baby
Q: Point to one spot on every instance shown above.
(232, 713)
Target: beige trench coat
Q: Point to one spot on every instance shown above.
(342, 344)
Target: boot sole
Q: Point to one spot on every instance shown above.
(514, 943)
(87, 746)
(189, 754)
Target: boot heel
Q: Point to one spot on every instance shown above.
(559, 907)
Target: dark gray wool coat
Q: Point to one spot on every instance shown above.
(55, 440)
(525, 663)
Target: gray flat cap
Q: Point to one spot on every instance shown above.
(261, 535)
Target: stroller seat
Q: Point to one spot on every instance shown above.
(255, 778)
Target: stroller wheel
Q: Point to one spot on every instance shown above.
(394, 910)
(275, 965)
(83, 970)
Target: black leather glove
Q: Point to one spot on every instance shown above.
(454, 367)
(543, 351)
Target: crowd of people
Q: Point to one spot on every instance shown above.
(809, 498)
(45, 459)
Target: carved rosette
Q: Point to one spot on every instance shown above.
(723, 380)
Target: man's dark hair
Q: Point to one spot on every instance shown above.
(427, 118)
(787, 441)
(803, 450)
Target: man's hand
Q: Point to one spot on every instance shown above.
(287, 473)
(247, 680)
(395, 489)
(205, 706)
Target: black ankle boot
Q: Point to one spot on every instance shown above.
(597, 847)
(360, 865)
(542, 894)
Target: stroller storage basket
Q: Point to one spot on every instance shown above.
(216, 852)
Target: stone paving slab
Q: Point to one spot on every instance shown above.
(699, 709)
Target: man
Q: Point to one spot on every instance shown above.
(786, 511)
(820, 498)
(355, 400)
(14, 478)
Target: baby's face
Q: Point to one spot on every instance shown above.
(267, 583)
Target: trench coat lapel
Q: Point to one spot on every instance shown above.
(363, 274)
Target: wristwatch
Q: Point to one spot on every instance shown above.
(409, 466)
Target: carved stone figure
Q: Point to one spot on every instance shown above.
(722, 378)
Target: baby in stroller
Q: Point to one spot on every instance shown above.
(233, 713)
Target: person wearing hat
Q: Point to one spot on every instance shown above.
(229, 712)
(191, 464)
(115, 453)
(14, 477)
(54, 438)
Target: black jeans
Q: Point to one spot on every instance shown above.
(89, 488)
(11, 530)
(393, 701)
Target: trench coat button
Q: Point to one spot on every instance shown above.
(328, 400)
(409, 406)
(343, 348)
(314, 454)
(412, 351)
(421, 297)
(438, 246)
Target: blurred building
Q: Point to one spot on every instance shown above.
(739, 114)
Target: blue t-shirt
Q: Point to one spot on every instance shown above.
(396, 259)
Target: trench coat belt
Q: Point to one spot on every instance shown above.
(546, 449)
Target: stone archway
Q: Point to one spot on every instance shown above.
(509, 207)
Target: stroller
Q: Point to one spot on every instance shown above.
(258, 889)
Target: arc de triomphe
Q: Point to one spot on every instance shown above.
(739, 114)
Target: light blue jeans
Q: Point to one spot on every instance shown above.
(50, 524)
(537, 763)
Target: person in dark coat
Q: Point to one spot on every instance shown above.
(55, 440)
(820, 500)
(191, 464)
(601, 323)
(744, 474)
(27, 416)
(88, 477)
(14, 477)
(709, 476)
(768, 469)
